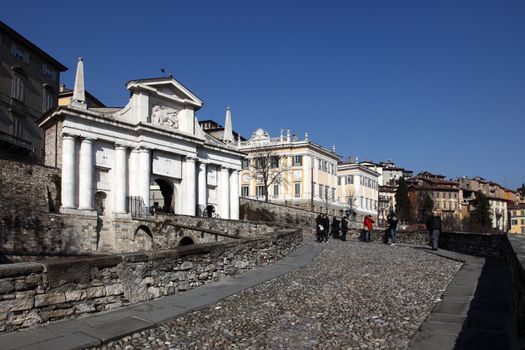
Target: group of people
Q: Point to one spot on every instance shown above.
(338, 229)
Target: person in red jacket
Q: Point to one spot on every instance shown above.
(368, 225)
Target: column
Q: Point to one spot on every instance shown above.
(224, 188)
(143, 175)
(189, 181)
(202, 186)
(234, 195)
(85, 175)
(133, 172)
(120, 180)
(68, 171)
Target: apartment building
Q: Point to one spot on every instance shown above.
(306, 171)
(29, 87)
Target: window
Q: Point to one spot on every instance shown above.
(274, 162)
(523, 221)
(514, 222)
(275, 190)
(332, 171)
(17, 90)
(245, 164)
(297, 160)
(350, 179)
(245, 191)
(48, 100)
(325, 166)
(321, 191)
(19, 53)
(333, 194)
(297, 190)
(260, 163)
(320, 164)
(49, 72)
(16, 125)
(339, 181)
(523, 230)
(260, 191)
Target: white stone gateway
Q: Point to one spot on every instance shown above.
(110, 156)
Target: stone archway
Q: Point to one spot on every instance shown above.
(162, 197)
(143, 238)
(186, 241)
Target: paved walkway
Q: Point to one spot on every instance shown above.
(353, 294)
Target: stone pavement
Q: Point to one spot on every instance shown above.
(102, 328)
(353, 295)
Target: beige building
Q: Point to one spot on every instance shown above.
(498, 198)
(517, 218)
(305, 172)
(358, 188)
(446, 195)
(29, 81)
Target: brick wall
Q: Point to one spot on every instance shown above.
(32, 293)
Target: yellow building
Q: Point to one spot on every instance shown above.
(305, 173)
(517, 218)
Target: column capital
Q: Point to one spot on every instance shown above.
(88, 139)
(69, 136)
(223, 168)
(191, 159)
(142, 149)
(120, 146)
(202, 165)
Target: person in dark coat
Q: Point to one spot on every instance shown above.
(326, 226)
(335, 228)
(319, 227)
(344, 228)
(434, 229)
(392, 226)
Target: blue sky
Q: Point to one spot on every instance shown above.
(433, 85)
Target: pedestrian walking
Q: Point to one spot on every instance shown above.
(344, 228)
(368, 225)
(434, 229)
(392, 226)
(319, 228)
(326, 227)
(335, 228)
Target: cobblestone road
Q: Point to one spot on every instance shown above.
(352, 296)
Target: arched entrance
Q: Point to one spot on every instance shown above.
(100, 203)
(161, 196)
(186, 241)
(143, 238)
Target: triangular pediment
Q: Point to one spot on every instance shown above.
(167, 87)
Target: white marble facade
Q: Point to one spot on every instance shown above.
(115, 153)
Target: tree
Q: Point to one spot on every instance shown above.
(425, 206)
(521, 190)
(403, 206)
(268, 168)
(480, 218)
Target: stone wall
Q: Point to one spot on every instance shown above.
(32, 293)
(254, 210)
(29, 196)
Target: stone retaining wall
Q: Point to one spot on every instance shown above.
(29, 196)
(32, 293)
